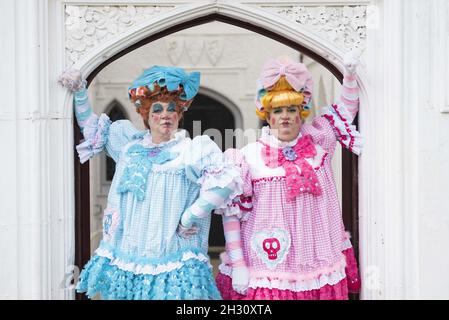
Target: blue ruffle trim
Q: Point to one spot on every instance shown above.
(132, 258)
(141, 160)
(193, 281)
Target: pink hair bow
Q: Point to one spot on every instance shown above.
(296, 73)
(301, 181)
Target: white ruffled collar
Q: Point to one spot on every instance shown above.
(148, 141)
(269, 139)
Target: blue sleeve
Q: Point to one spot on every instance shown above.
(121, 133)
(100, 134)
(83, 110)
(220, 181)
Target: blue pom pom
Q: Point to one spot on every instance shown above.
(194, 280)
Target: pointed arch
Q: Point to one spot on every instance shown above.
(116, 111)
(240, 15)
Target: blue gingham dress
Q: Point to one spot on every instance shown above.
(141, 255)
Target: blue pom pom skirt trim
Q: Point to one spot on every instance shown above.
(192, 281)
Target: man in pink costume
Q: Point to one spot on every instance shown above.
(285, 237)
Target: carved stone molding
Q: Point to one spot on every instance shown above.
(88, 26)
(193, 48)
(345, 26)
(214, 50)
(175, 49)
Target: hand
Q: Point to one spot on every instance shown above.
(187, 232)
(240, 279)
(72, 80)
(351, 60)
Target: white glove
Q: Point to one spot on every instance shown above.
(187, 232)
(351, 60)
(72, 80)
(240, 279)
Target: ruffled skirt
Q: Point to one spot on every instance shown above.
(193, 281)
(339, 291)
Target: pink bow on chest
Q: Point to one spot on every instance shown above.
(298, 181)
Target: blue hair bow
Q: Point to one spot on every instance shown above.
(171, 77)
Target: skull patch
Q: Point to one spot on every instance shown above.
(271, 246)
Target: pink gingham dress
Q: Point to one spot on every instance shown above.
(294, 248)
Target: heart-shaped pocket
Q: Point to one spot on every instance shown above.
(271, 246)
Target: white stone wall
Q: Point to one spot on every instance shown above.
(405, 214)
(404, 176)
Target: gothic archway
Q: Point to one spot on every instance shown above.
(326, 54)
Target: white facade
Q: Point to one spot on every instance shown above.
(404, 116)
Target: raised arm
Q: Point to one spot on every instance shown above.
(349, 97)
(95, 129)
(74, 82)
(335, 122)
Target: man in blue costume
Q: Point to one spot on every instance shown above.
(156, 224)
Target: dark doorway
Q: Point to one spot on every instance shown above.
(116, 112)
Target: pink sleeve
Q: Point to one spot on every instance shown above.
(322, 133)
(349, 97)
(231, 226)
(241, 205)
(237, 211)
(335, 124)
(236, 157)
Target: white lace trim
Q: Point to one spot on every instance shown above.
(346, 244)
(148, 140)
(227, 176)
(330, 279)
(272, 141)
(151, 269)
(287, 284)
(234, 210)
